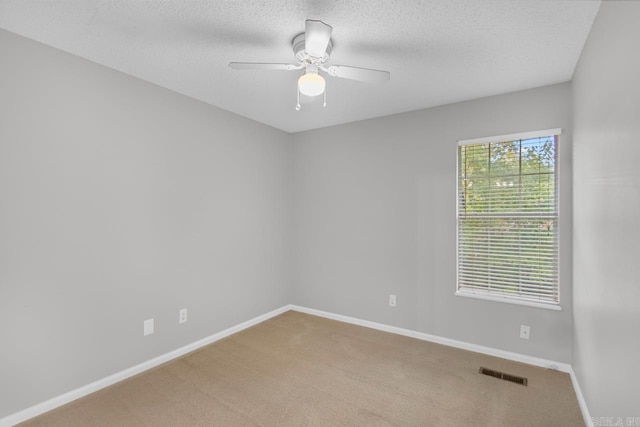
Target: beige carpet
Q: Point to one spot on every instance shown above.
(302, 370)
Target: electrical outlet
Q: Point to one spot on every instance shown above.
(148, 327)
(392, 300)
(524, 332)
(182, 316)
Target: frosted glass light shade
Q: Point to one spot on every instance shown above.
(311, 84)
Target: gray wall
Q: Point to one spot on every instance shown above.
(121, 201)
(375, 215)
(606, 264)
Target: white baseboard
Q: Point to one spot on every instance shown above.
(72, 395)
(583, 403)
(530, 360)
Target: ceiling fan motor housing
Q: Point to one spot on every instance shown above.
(298, 45)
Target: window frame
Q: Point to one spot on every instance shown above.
(487, 295)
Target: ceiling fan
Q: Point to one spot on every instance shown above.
(312, 49)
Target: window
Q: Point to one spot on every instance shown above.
(508, 218)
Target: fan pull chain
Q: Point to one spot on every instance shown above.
(324, 104)
(297, 99)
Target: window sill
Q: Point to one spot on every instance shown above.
(496, 298)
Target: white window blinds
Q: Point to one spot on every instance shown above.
(508, 217)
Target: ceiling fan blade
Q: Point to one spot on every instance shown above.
(360, 74)
(316, 37)
(263, 66)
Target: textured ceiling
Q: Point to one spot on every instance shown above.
(438, 52)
